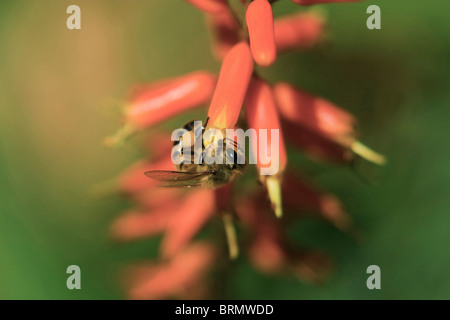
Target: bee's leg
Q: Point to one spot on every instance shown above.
(189, 126)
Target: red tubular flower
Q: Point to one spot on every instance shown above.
(176, 278)
(265, 249)
(322, 117)
(270, 251)
(133, 179)
(164, 100)
(210, 6)
(135, 224)
(311, 2)
(224, 32)
(235, 73)
(312, 123)
(315, 145)
(262, 114)
(300, 197)
(259, 18)
(273, 257)
(155, 197)
(300, 30)
(314, 113)
(189, 217)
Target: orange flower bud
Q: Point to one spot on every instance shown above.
(210, 6)
(311, 2)
(164, 100)
(315, 113)
(235, 73)
(224, 32)
(191, 215)
(300, 30)
(259, 18)
(262, 114)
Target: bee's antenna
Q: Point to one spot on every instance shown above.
(206, 122)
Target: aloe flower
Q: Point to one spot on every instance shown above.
(162, 100)
(263, 208)
(298, 31)
(262, 114)
(261, 32)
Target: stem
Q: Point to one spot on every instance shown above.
(121, 136)
(238, 9)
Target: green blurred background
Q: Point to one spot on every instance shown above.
(55, 85)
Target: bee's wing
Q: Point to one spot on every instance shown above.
(178, 178)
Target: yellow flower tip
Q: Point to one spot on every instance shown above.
(221, 121)
(230, 232)
(368, 154)
(274, 190)
(120, 137)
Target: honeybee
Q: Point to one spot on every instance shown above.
(191, 173)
